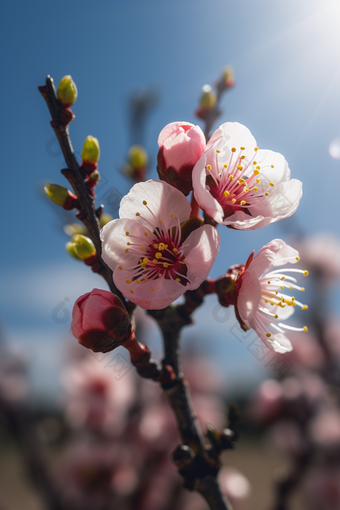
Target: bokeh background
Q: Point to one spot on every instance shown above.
(285, 57)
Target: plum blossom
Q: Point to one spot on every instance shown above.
(241, 186)
(261, 303)
(152, 263)
(180, 147)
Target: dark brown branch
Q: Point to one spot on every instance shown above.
(75, 176)
(202, 475)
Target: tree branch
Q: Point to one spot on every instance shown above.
(75, 176)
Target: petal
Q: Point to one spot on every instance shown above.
(114, 242)
(233, 134)
(201, 253)
(162, 200)
(171, 129)
(279, 343)
(202, 195)
(282, 202)
(275, 253)
(248, 297)
(273, 166)
(165, 291)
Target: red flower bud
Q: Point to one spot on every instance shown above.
(180, 147)
(100, 321)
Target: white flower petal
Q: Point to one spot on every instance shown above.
(162, 200)
(201, 253)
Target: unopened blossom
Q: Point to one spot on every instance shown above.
(241, 186)
(261, 300)
(180, 147)
(152, 264)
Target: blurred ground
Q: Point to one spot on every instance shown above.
(257, 462)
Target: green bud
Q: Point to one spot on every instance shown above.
(138, 157)
(228, 76)
(58, 194)
(67, 91)
(91, 151)
(70, 248)
(208, 98)
(95, 176)
(104, 219)
(75, 228)
(83, 246)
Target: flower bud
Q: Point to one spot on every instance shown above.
(91, 151)
(67, 91)
(61, 196)
(137, 157)
(228, 77)
(100, 321)
(75, 228)
(95, 176)
(70, 248)
(83, 246)
(104, 219)
(208, 99)
(180, 147)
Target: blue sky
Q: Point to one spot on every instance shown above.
(287, 93)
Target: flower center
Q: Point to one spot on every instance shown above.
(159, 252)
(230, 185)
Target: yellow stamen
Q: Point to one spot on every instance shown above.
(225, 166)
(145, 202)
(127, 233)
(177, 279)
(267, 194)
(174, 250)
(208, 167)
(127, 281)
(126, 250)
(153, 288)
(242, 148)
(256, 172)
(304, 307)
(218, 151)
(233, 200)
(272, 166)
(132, 291)
(231, 176)
(146, 234)
(154, 261)
(271, 184)
(254, 163)
(165, 264)
(305, 329)
(256, 149)
(226, 193)
(137, 214)
(120, 268)
(305, 273)
(158, 255)
(243, 202)
(239, 167)
(255, 188)
(233, 149)
(297, 258)
(268, 335)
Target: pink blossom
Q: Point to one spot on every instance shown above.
(260, 302)
(180, 147)
(153, 265)
(95, 398)
(239, 185)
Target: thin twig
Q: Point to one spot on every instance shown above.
(75, 176)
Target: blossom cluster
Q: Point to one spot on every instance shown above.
(160, 247)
